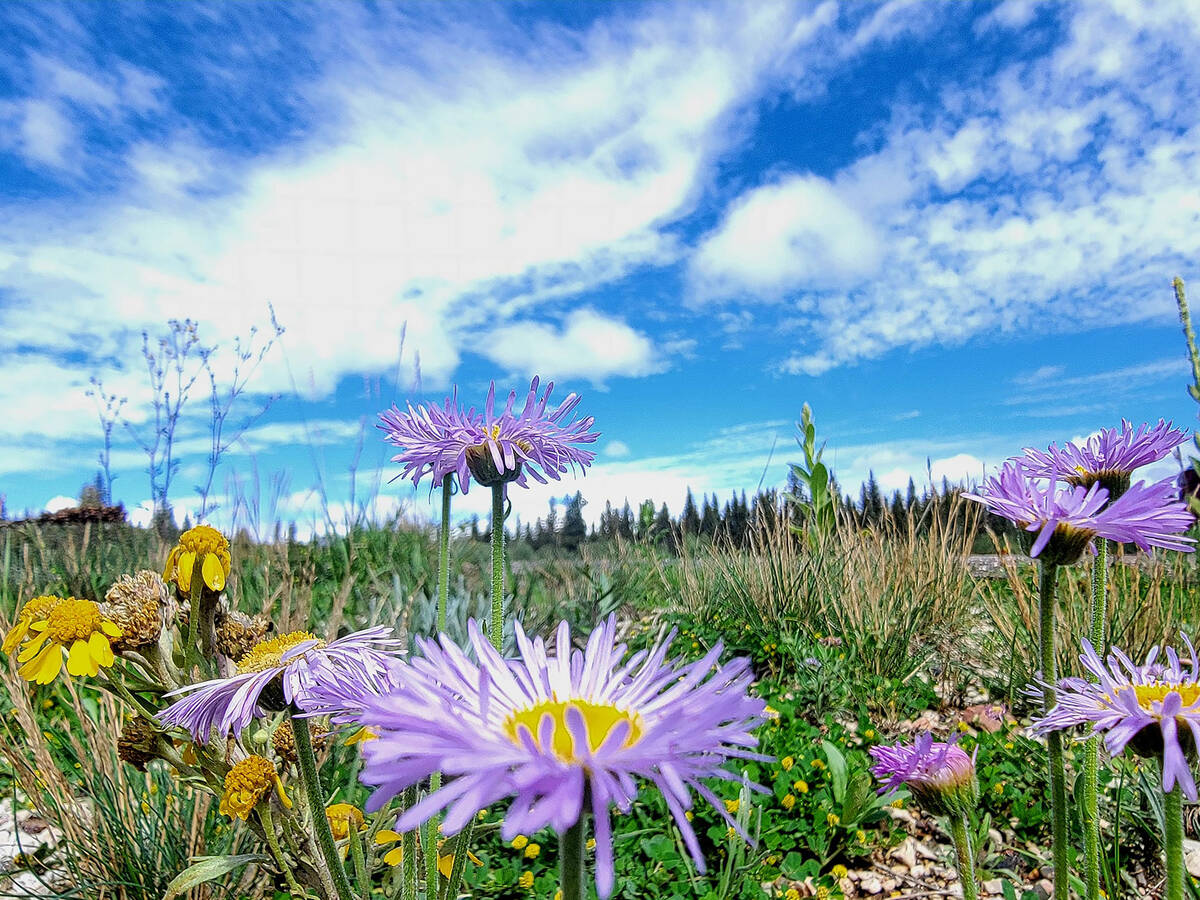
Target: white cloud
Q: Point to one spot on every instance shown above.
(616, 449)
(799, 233)
(589, 345)
(54, 504)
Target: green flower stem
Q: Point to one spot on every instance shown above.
(268, 824)
(316, 806)
(191, 651)
(443, 588)
(408, 845)
(1058, 778)
(571, 862)
(1173, 843)
(361, 873)
(1090, 811)
(449, 890)
(497, 565)
(961, 832)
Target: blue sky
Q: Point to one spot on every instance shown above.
(949, 227)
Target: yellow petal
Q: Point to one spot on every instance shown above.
(101, 649)
(45, 667)
(32, 647)
(79, 660)
(110, 628)
(187, 562)
(386, 836)
(394, 857)
(283, 797)
(169, 568)
(214, 572)
(445, 865)
(15, 635)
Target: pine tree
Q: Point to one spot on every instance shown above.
(662, 530)
(625, 524)
(574, 530)
(710, 521)
(689, 522)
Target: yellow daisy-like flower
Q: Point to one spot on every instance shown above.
(201, 541)
(75, 626)
(533, 851)
(246, 783)
(35, 610)
(395, 856)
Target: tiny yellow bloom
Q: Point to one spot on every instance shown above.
(788, 801)
(519, 842)
(818, 764)
(869, 734)
(998, 788)
(245, 785)
(532, 851)
(731, 806)
(483, 814)
(787, 762)
(860, 836)
(687, 814)
(964, 727)
(898, 803)
(772, 860)
(839, 871)
(591, 843)
(526, 880)
(800, 787)
(833, 819)
(1009, 745)
(792, 894)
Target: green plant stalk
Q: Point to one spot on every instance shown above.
(1173, 843)
(316, 806)
(268, 825)
(361, 874)
(408, 845)
(1090, 812)
(961, 832)
(570, 857)
(191, 654)
(1054, 751)
(498, 566)
(443, 588)
(449, 891)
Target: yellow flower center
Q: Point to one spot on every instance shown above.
(268, 654)
(598, 718)
(73, 620)
(203, 539)
(1149, 694)
(246, 783)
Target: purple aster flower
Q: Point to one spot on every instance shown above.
(940, 774)
(1066, 520)
(283, 671)
(1108, 458)
(1153, 708)
(554, 732)
(495, 448)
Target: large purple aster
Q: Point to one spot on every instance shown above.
(493, 447)
(1148, 515)
(1153, 708)
(288, 669)
(552, 732)
(1109, 457)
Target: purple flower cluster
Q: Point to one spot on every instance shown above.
(1153, 708)
(295, 669)
(493, 446)
(555, 731)
(1068, 496)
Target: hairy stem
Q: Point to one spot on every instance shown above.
(268, 824)
(361, 873)
(408, 844)
(316, 806)
(1173, 843)
(1090, 808)
(961, 832)
(190, 652)
(1058, 778)
(443, 586)
(571, 864)
(450, 889)
(498, 566)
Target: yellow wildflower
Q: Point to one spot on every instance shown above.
(201, 542)
(519, 842)
(839, 871)
(341, 816)
(731, 806)
(800, 787)
(35, 610)
(833, 819)
(532, 851)
(788, 801)
(245, 785)
(75, 626)
(396, 855)
(792, 894)
(787, 762)
(869, 734)
(818, 763)
(591, 843)
(526, 880)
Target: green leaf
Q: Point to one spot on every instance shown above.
(208, 868)
(793, 866)
(837, 770)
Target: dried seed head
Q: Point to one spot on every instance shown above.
(140, 605)
(136, 744)
(237, 632)
(283, 740)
